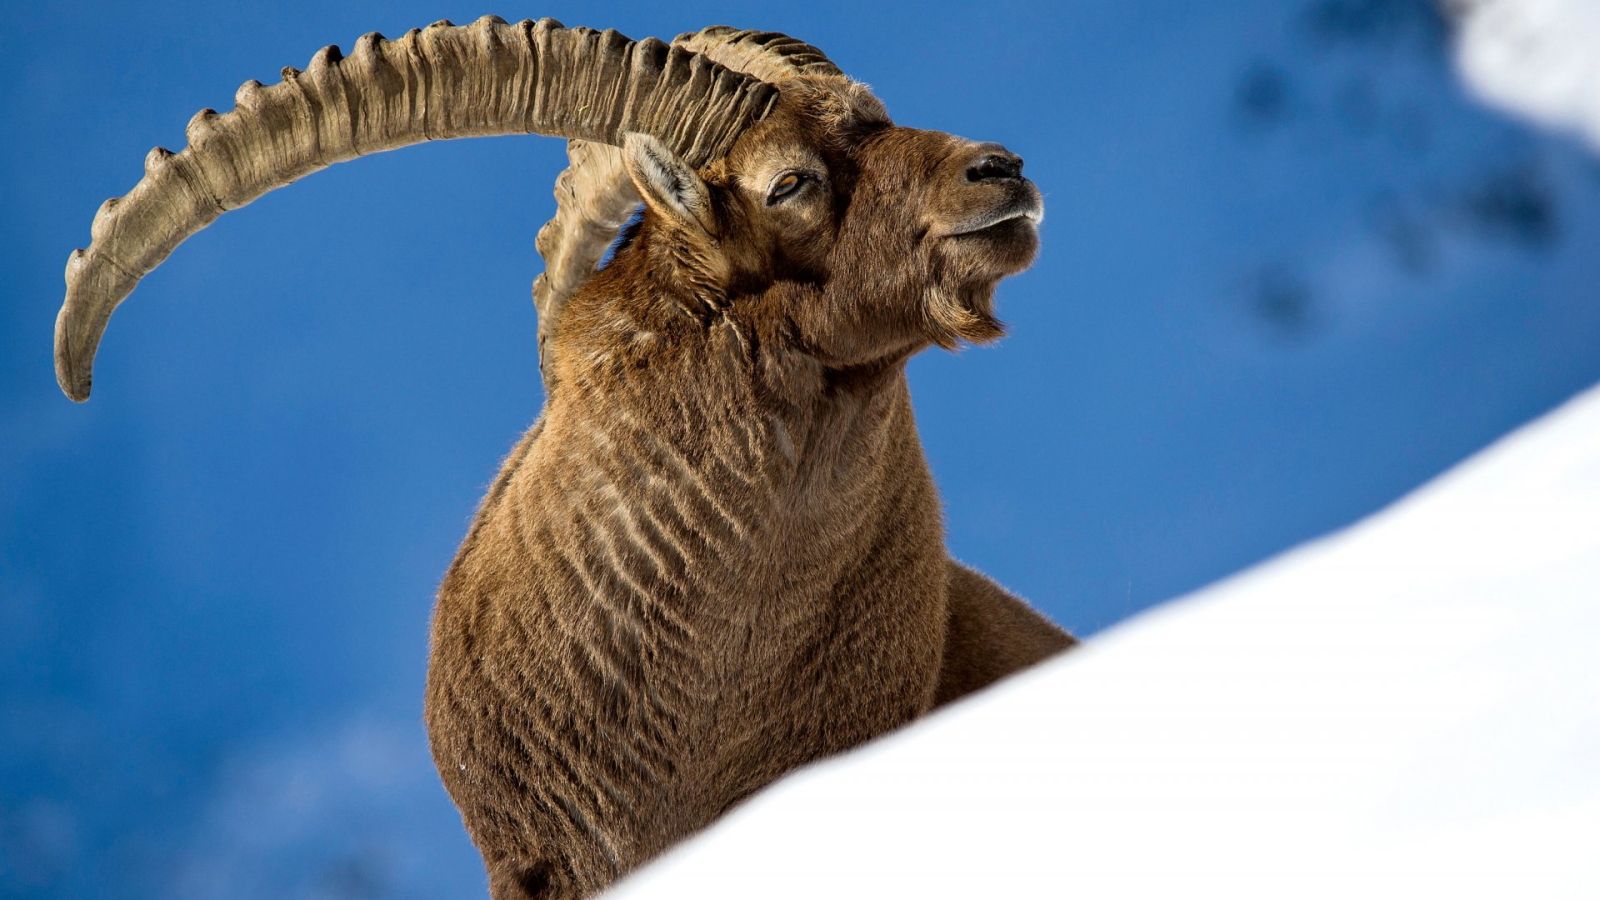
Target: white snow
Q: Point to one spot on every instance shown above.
(1410, 707)
(1537, 57)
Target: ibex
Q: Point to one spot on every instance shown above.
(718, 553)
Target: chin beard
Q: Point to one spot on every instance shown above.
(963, 315)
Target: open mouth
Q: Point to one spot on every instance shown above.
(1029, 210)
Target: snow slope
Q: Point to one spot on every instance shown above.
(1410, 705)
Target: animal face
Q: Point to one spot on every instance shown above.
(872, 239)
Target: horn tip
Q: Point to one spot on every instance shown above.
(77, 393)
(74, 376)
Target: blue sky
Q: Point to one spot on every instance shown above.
(1289, 271)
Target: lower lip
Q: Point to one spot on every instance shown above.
(1024, 219)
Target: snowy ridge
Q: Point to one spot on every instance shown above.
(1409, 705)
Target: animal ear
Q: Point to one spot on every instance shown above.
(666, 182)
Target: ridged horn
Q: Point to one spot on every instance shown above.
(488, 78)
(595, 198)
(767, 55)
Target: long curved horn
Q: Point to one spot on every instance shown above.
(489, 78)
(594, 197)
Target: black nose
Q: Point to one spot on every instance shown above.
(994, 162)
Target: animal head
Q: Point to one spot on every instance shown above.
(874, 238)
(765, 174)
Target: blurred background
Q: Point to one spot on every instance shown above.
(1292, 267)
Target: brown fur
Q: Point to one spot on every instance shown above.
(719, 554)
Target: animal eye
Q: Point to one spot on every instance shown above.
(785, 186)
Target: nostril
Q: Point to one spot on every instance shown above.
(995, 165)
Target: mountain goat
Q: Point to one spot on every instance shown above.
(718, 554)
